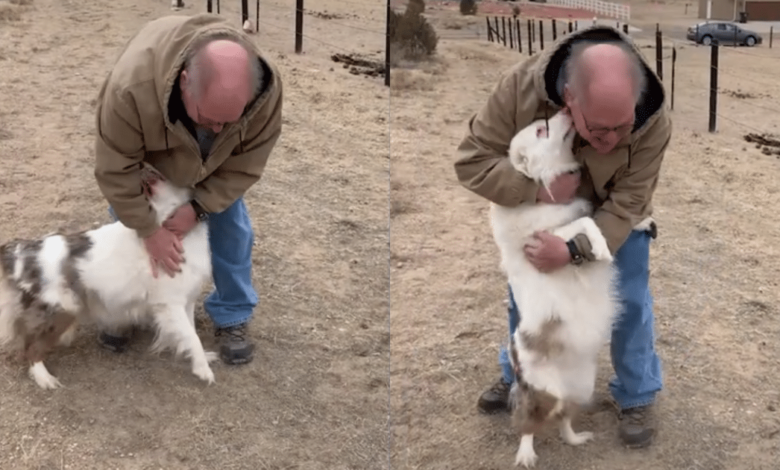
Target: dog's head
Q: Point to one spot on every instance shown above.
(164, 197)
(543, 150)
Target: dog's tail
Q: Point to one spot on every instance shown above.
(9, 311)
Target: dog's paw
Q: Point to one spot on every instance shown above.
(526, 457)
(43, 378)
(204, 373)
(601, 252)
(212, 356)
(577, 438)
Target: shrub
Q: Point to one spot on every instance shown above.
(468, 7)
(411, 34)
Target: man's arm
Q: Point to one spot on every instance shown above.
(483, 165)
(239, 172)
(629, 201)
(119, 151)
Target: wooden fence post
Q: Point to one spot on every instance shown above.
(530, 38)
(244, 11)
(674, 62)
(298, 26)
(541, 35)
(388, 14)
(209, 7)
(555, 30)
(771, 33)
(519, 37)
(503, 29)
(489, 29)
(659, 52)
(511, 34)
(714, 86)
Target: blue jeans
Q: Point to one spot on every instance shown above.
(637, 377)
(231, 238)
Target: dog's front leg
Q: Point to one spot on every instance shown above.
(586, 225)
(174, 322)
(526, 455)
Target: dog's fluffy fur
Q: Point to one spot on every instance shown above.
(566, 315)
(49, 285)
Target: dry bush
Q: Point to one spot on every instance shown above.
(412, 37)
(9, 12)
(468, 7)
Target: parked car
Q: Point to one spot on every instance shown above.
(724, 32)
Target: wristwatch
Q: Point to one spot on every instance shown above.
(200, 213)
(576, 256)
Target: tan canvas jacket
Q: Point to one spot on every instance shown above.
(135, 124)
(621, 184)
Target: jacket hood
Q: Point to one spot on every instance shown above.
(550, 65)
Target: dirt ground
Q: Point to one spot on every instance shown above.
(714, 275)
(316, 395)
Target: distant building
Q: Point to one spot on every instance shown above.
(729, 10)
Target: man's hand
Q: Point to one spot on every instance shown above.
(182, 221)
(562, 189)
(165, 249)
(546, 252)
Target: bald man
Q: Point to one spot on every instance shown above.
(619, 111)
(193, 97)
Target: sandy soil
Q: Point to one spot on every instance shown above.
(316, 395)
(713, 276)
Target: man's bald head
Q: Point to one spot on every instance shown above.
(605, 71)
(220, 78)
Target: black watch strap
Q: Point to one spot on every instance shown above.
(576, 256)
(200, 212)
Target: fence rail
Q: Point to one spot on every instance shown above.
(528, 36)
(618, 11)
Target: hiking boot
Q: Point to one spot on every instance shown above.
(115, 341)
(234, 347)
(495, 399)
(636, 428)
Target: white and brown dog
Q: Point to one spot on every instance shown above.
(566, 315)
(49, 285)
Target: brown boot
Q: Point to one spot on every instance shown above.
(637, 426)
(495, 399)
(234, 346)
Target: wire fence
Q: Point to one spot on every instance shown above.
(352, 28)
(725, 65)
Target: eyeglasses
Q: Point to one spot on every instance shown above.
(601, 131)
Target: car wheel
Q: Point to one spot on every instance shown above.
(750, 41)
(706, 40)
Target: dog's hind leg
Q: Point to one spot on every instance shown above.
(66, 339)
(173, 323)
(567, 432)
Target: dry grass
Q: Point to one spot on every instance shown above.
(9, 12)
